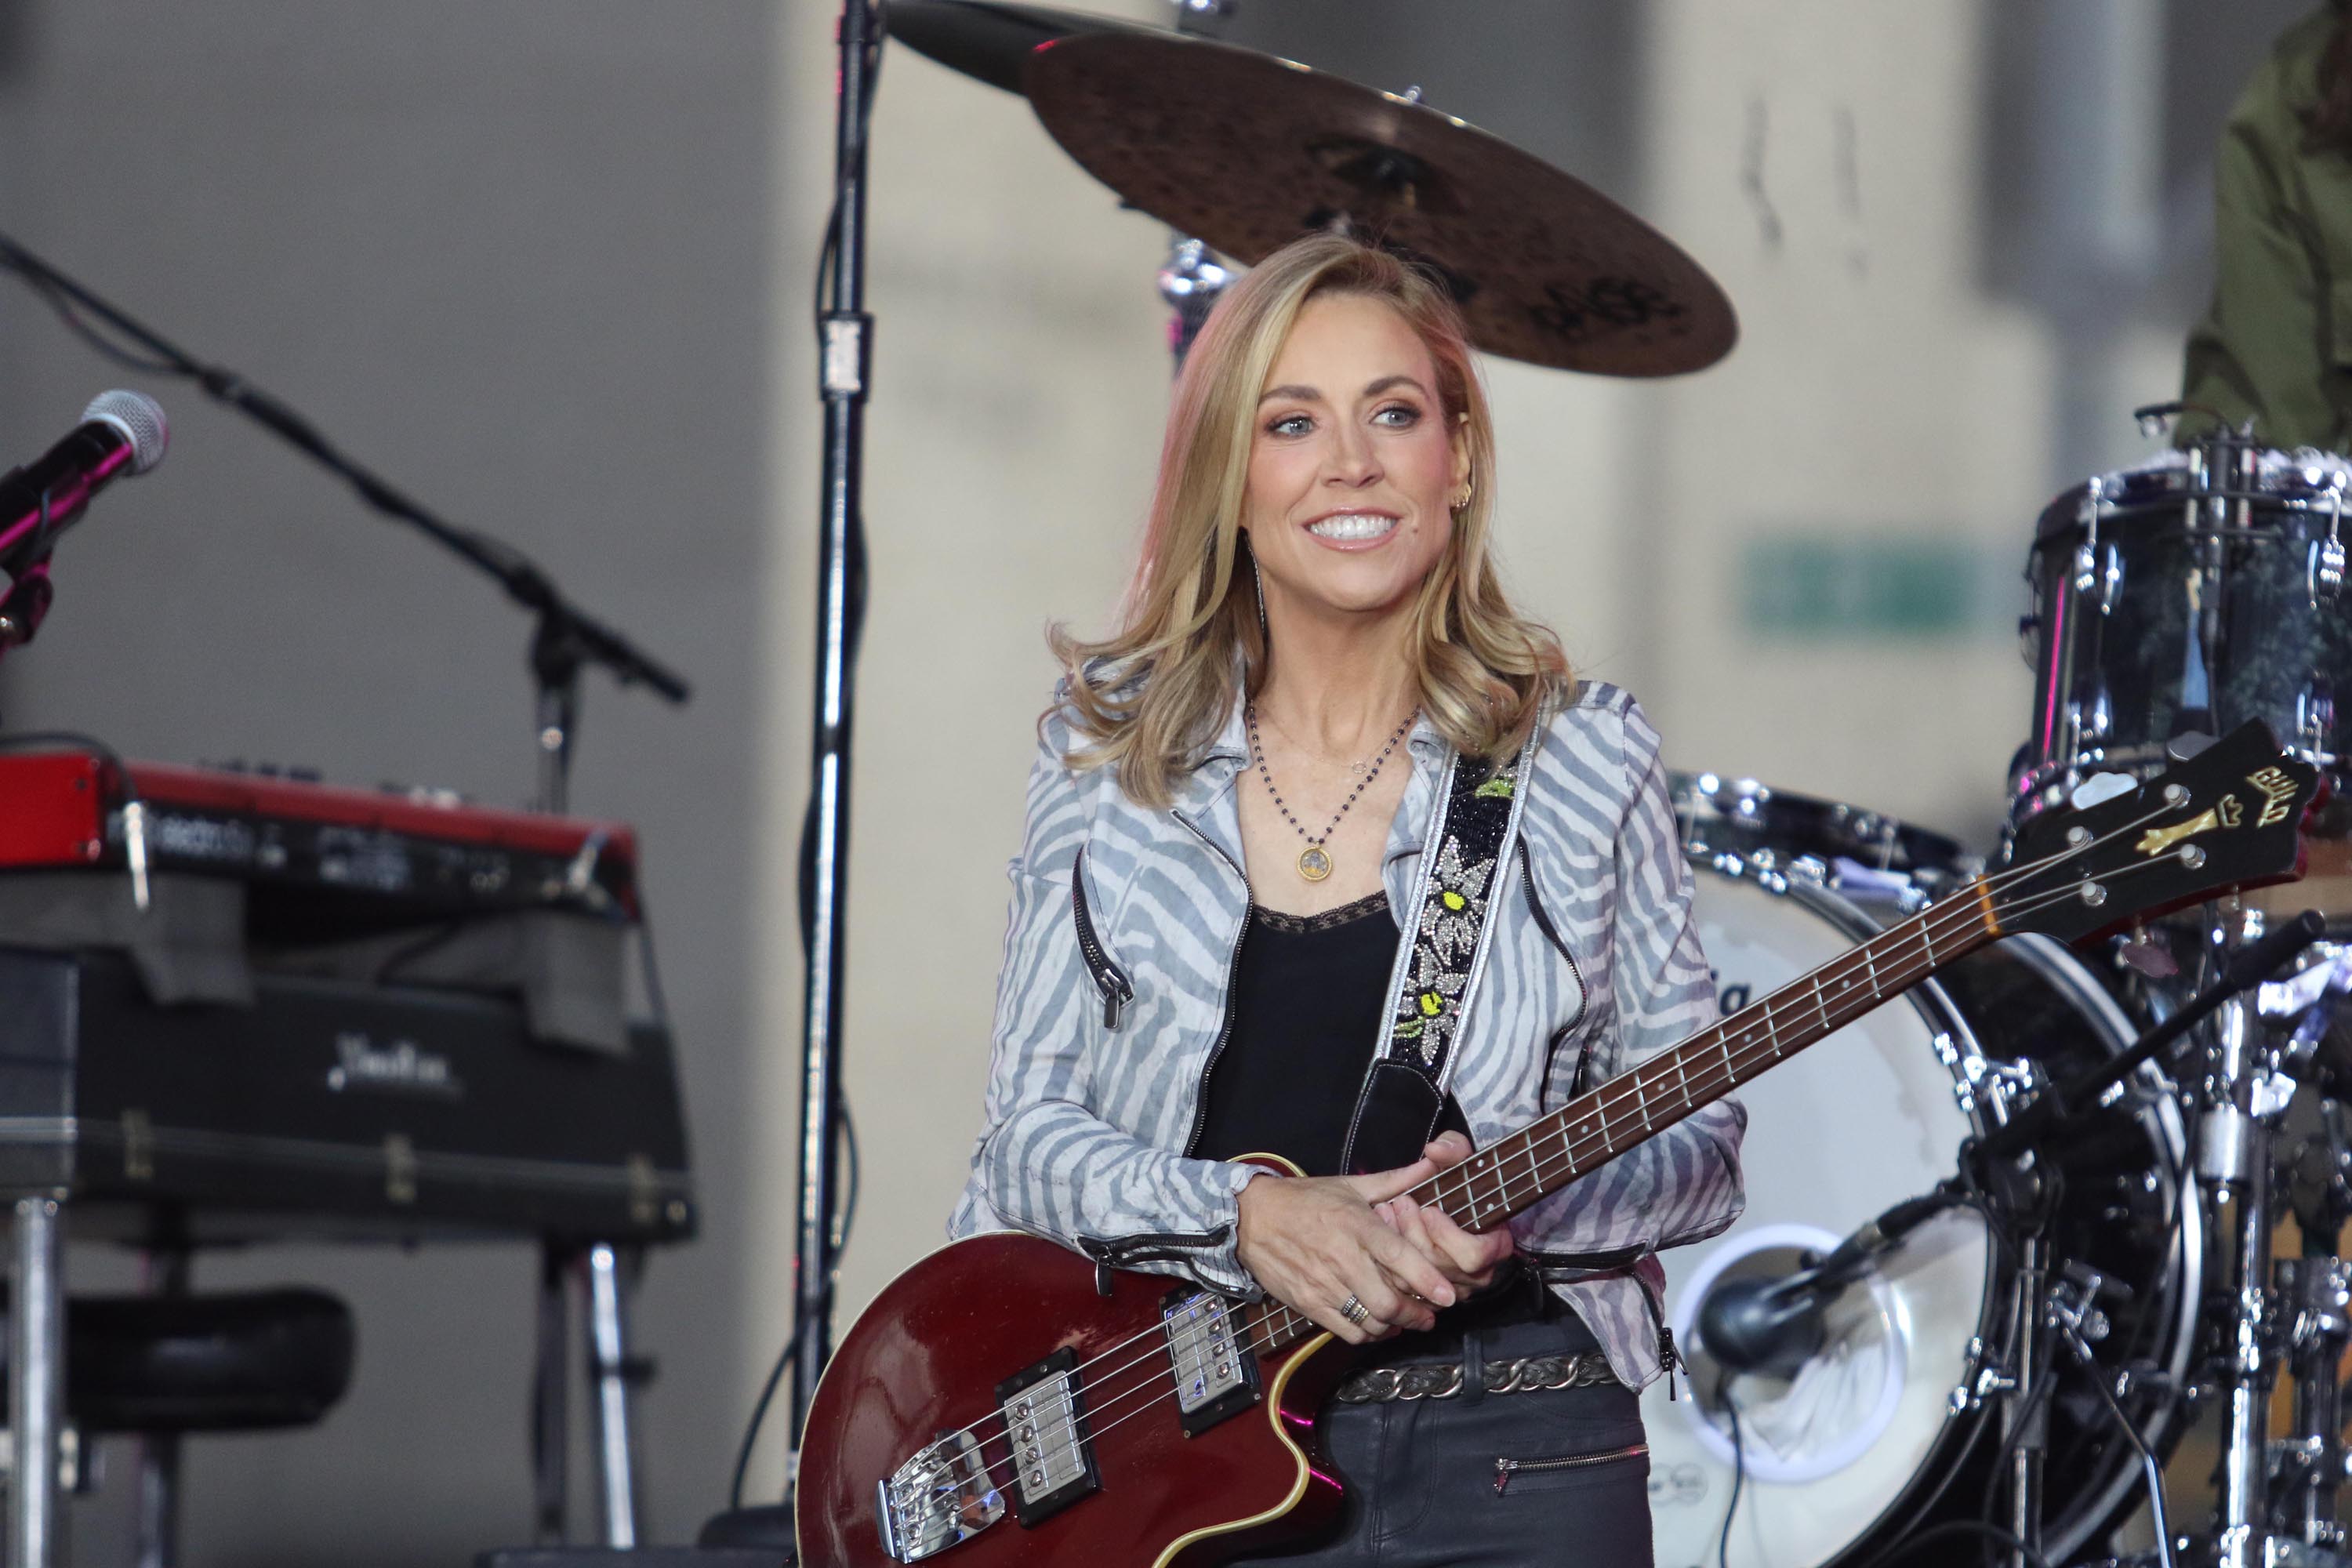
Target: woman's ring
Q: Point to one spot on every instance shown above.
(1355, 1311)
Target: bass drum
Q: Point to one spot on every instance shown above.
(1859, 1444)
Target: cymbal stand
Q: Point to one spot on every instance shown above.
(1192, 279)
(2317, 1290)
(2248, 1086)
(2314, 1290)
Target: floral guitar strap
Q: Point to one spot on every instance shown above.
(1439, 960)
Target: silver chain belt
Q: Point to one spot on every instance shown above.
(1443, 1379)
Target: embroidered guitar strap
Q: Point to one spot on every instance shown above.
(1440, 960)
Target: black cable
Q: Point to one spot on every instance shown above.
(1904, 1549)
(105, 347)
(1738, 1478)
(848, 1213)
(752, 1429)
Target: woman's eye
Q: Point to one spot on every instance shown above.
(1289, 425)
(1399, 415)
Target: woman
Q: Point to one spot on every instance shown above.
(1229, 805)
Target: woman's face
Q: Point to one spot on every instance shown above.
(1353, 463)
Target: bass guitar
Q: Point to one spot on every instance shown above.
(992, 1407)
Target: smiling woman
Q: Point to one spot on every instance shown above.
(1334, 376)
(1251, 902)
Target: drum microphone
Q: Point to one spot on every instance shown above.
(1776, 1325)
(120, 431)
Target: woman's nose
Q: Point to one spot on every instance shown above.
(1352, 461)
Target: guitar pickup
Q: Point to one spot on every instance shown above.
(1216, 1374)
(1053, 1452)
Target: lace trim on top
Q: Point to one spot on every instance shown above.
(1301, 925)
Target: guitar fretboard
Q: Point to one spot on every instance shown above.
(1517, 1171)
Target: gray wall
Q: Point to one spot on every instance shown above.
(514, 255)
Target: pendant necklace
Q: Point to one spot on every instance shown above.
(1315, 860)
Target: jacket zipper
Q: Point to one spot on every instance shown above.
(1584, 992)
(1506, 1468)
(1232, 971)
(1115, 988)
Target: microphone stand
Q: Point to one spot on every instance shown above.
(845, 365)
(566, 637)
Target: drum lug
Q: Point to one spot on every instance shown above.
(1990, 1382)
(2326, 573)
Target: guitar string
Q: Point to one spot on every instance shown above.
(1967, 902)
(1543, 1170)
(1911, 970)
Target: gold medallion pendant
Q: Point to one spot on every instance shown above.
(1313, 863)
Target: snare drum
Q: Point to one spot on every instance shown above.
(1861, 1444)
(2191, 594)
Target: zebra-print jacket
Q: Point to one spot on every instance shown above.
(1113, 993)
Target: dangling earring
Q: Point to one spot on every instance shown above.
(1257, 579)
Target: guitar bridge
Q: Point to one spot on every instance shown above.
(942, 1496)
(1053, 1452)
(1216, 1376)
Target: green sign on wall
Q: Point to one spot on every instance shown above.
(1818, 587)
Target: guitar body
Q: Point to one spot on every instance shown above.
(926, 1359)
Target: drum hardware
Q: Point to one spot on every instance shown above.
(2245, 1094)
(2080, 1324)
(2185, 595)
(1193, 281)
(2307, 1468)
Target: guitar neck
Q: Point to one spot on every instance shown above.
(1519, 1170)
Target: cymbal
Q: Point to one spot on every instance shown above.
(1248, 151)
(986, 40)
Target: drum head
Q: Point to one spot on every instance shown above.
(1865, 1117)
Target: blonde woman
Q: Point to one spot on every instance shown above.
(1226, 821)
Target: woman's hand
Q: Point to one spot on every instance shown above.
(1468, 1261)
(1313, 1242)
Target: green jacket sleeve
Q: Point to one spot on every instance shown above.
(2268, 348)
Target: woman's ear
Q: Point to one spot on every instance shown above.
(1459, 440)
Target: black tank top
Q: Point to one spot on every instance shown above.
(1309, 994)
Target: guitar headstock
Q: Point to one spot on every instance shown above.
(2228, 818)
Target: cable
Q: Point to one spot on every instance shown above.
(106, 348)
(1739, 1476)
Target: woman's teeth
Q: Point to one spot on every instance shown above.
(1352, 525)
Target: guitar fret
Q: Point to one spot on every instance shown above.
(1821, 1007)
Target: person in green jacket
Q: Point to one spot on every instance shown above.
(2276, 347)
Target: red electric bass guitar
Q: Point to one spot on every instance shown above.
(992, 1407)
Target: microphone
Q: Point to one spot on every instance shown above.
(120, 432)
(1776, 1325)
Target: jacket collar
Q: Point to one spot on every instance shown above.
(1204, 798)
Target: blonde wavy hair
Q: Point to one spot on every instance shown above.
(1150, 698)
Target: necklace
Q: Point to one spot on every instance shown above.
(1315, 860)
